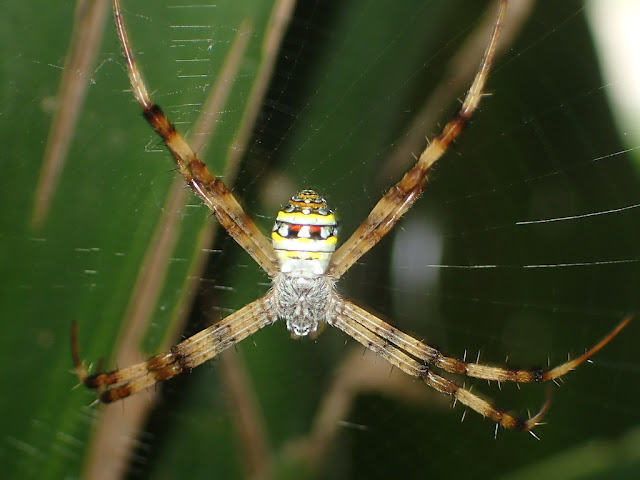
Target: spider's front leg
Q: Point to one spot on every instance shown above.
(418, 360)
(435, 357)
(188, 354)
(424, 372)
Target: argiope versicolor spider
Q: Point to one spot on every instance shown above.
(304, 269)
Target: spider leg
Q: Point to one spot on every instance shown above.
(210, 189)
(433, 356)
(190, 353)
(412, 367)
(401, 196)
(78, 367)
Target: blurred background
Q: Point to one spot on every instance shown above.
(524, 244)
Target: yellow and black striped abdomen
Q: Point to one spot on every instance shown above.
(305, 235)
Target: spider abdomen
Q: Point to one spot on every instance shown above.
(305, 235)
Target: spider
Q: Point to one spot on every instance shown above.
(304, 266)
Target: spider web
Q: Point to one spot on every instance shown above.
(523, 246)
